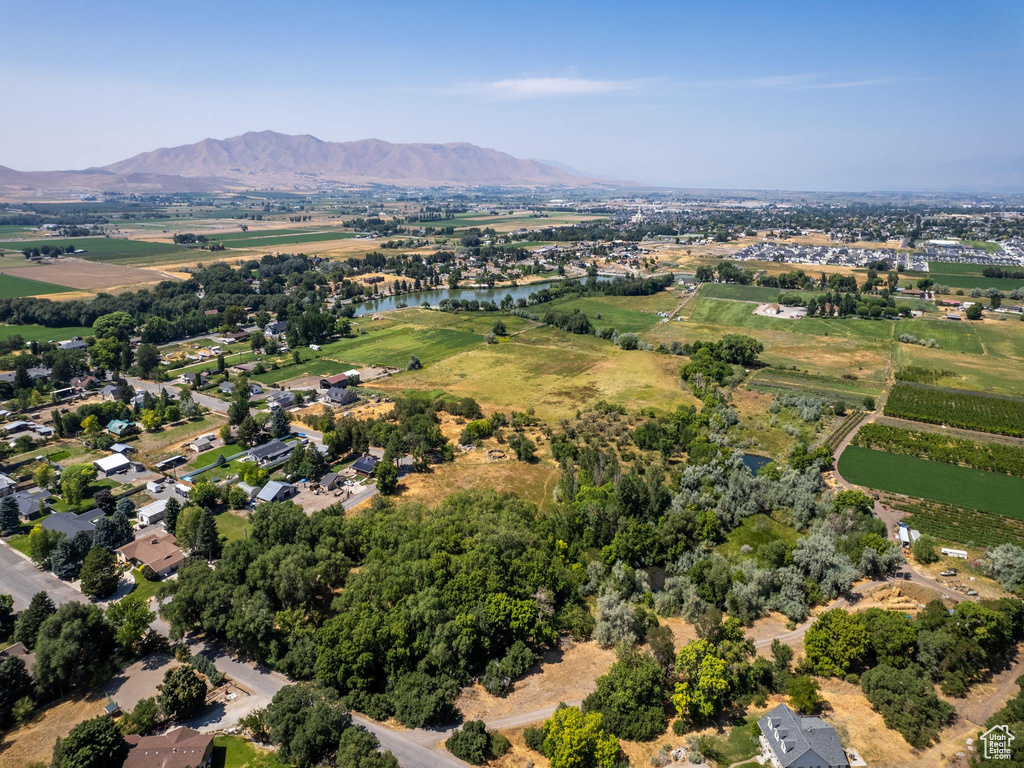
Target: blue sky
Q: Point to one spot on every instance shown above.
(817, 95)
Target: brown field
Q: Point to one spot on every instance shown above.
(565, 675)
(33, 742)
(88, 276)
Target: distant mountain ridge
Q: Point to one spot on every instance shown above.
(267, 159)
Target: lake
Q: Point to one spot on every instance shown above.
(435, 297)
(754, 462)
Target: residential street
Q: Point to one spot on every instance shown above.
(21, 579)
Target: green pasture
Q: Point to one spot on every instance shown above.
(12, 287)
(43, 332)
(107, 249)
(946, 483)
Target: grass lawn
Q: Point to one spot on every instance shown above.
(741, 743)
(758, 293)
(236, 752)
(44, 333)
(755, 531)
(13, 287)
(959, 337)
(314, 367)
(232, 526)
(947, 483)
(143, 587)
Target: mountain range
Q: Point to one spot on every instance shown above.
(270, 160)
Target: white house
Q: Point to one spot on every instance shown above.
(153, 513)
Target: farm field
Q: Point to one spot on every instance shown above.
(13, 287)
(43, 333)
(773, 379)
(320, 366)
(967, 410)
(115, 250)
(946, 483)
(81, 275)
(970, 527)
(505, 223)
(959, 337)
(273, 241)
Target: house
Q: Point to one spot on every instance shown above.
(337, 380)
(159, 552)
(112, 464)
(365, 464)
(152, 513)
(121, 427)
(71, 524)
(109, 392)
(276, 328)
(340, 396)
(7, 485)
(20, 651)
(32, 503)
(332, 481)
(182, 747)
(73, 343)
(193, 378)
(281, 399)
(84, 382)
(791, 741)
(276, 491)
(228, 388)
(269, 452)
(201, 444)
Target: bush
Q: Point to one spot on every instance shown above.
(471, 743)
(533, 738)
(499, 677)
(924, 550)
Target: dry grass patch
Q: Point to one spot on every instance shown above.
(33, 742)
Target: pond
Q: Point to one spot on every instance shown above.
(435, 297)
(754, 462)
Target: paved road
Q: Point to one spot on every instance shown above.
(407, 748)
(21, 579)
(214, 404)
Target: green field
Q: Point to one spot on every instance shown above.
(483, 221)
(107, 249)
(737, 292)
(960, 486)
(755, 531)
(44, 333)
(774, 379)
(395, 345)
(614, 311)
(237, 752)
(964, 276)
(13, 287)
(316, 367)
(273, 241)
(958, 337)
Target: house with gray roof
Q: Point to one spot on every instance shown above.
(791, 741)
(71, 524)
(270, 452)
(32, 503)
(276, 491)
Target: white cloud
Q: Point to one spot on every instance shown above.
(540, 87)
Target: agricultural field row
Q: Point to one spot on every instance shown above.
(969, 527)
(910, 476)
(990, 456)
(967, 410)
(112, 249)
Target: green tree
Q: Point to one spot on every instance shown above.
(306, 723)
(75, 481)
(26, 628)
(475, 744)
(15, 684)
(974, 311)
(142, 719)
(171, 512)
(9, 521)
(836, 642)
(924, 550)
(147, 357)
(6, 615)
(182, 693)
(804, 694)
(703, 682)
(116, 325)
(575, 740)
(75, 647)
(357, 748)
(414, 363)
(41, 543)
(96, 743)
(387, 477)
(130, 618)
(99, 573)
(280, 426)
(631, 696)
